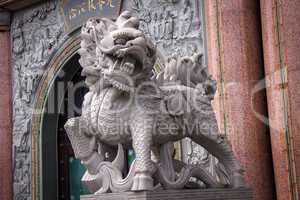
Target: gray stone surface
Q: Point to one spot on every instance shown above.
(36, 32)
(206, 194)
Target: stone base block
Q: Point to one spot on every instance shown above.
(204, 194)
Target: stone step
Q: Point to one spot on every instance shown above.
(204, 194)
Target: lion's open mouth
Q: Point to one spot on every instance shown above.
(127, 68)
(120, 81)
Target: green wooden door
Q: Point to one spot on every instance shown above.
(76, 170)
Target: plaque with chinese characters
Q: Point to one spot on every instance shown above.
(77, 12)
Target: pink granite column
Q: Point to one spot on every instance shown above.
(5, 110)
(281, 42)
(235, 60)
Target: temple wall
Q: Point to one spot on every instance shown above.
(249, 46)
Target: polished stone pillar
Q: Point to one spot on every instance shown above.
(235, 60)
(281, 42)
(5, 110)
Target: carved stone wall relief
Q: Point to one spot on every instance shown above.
(36, 33)
(175, 26)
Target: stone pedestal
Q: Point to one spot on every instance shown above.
(205, 194)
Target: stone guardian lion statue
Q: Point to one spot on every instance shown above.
(128, 106)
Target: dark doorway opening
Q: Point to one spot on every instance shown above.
(61, 172)
(70, 169)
